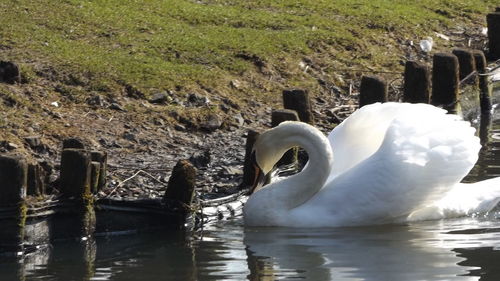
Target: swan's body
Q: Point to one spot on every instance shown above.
(394, 162)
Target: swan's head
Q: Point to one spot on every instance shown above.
(270, 147)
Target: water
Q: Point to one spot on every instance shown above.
(459, 249)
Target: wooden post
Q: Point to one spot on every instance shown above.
(417, 83)
(467, 64)
(181, 183)
(373, 89)
(485, 90)
(75, 173)
(101, 157)
(298, 100)
(13, 182)
(79, 219)
(445, 81)
(248, 168)
(277, 116)
(36, 184)
(493, 21)
(95, 168)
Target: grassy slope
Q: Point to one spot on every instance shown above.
(104, 45)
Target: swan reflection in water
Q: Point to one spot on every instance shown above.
(435, 250)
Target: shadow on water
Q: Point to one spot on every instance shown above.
(461, 249)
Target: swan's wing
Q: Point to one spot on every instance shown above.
(362, 133)
(422, 157)
(462, 200)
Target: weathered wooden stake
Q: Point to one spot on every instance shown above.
(298, 100)
(75, 173)
(445, 81)
(467, 64)
(102, 158)
(485, 90)
(248, 168)
(13, 182)
(373, 89)
(95, 168)
(36, 184)
(493, 21)
(182, 183)
(277, 116)
(74, 185)
(417, 83)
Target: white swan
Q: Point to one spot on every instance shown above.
(394, 162)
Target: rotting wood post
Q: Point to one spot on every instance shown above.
(445, 81)
(373, 89)
(298, 100)
(75, 173)
(278, 116)
(75, 188)
(36, 184)
(467, 64)
(493, 21)
(485, 90)
(95, 169)
(417, 82)
(13, 182)
(181, 183)
(248, 168)
(102, 158)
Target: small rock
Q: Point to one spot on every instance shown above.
(235, 84)
(9, 72)
(116, 106)
(239, 119)
(133, 92)
(129, 136)
(160, 98)
(212, 123)
(96, 100)
(194, 99)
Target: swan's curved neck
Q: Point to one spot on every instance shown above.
(297, 189)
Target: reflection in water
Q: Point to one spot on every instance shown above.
(461, 249)
(421, 251)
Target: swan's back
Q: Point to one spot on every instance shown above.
(362, 133)
(403, 157)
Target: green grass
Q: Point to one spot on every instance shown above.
(164, 44)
